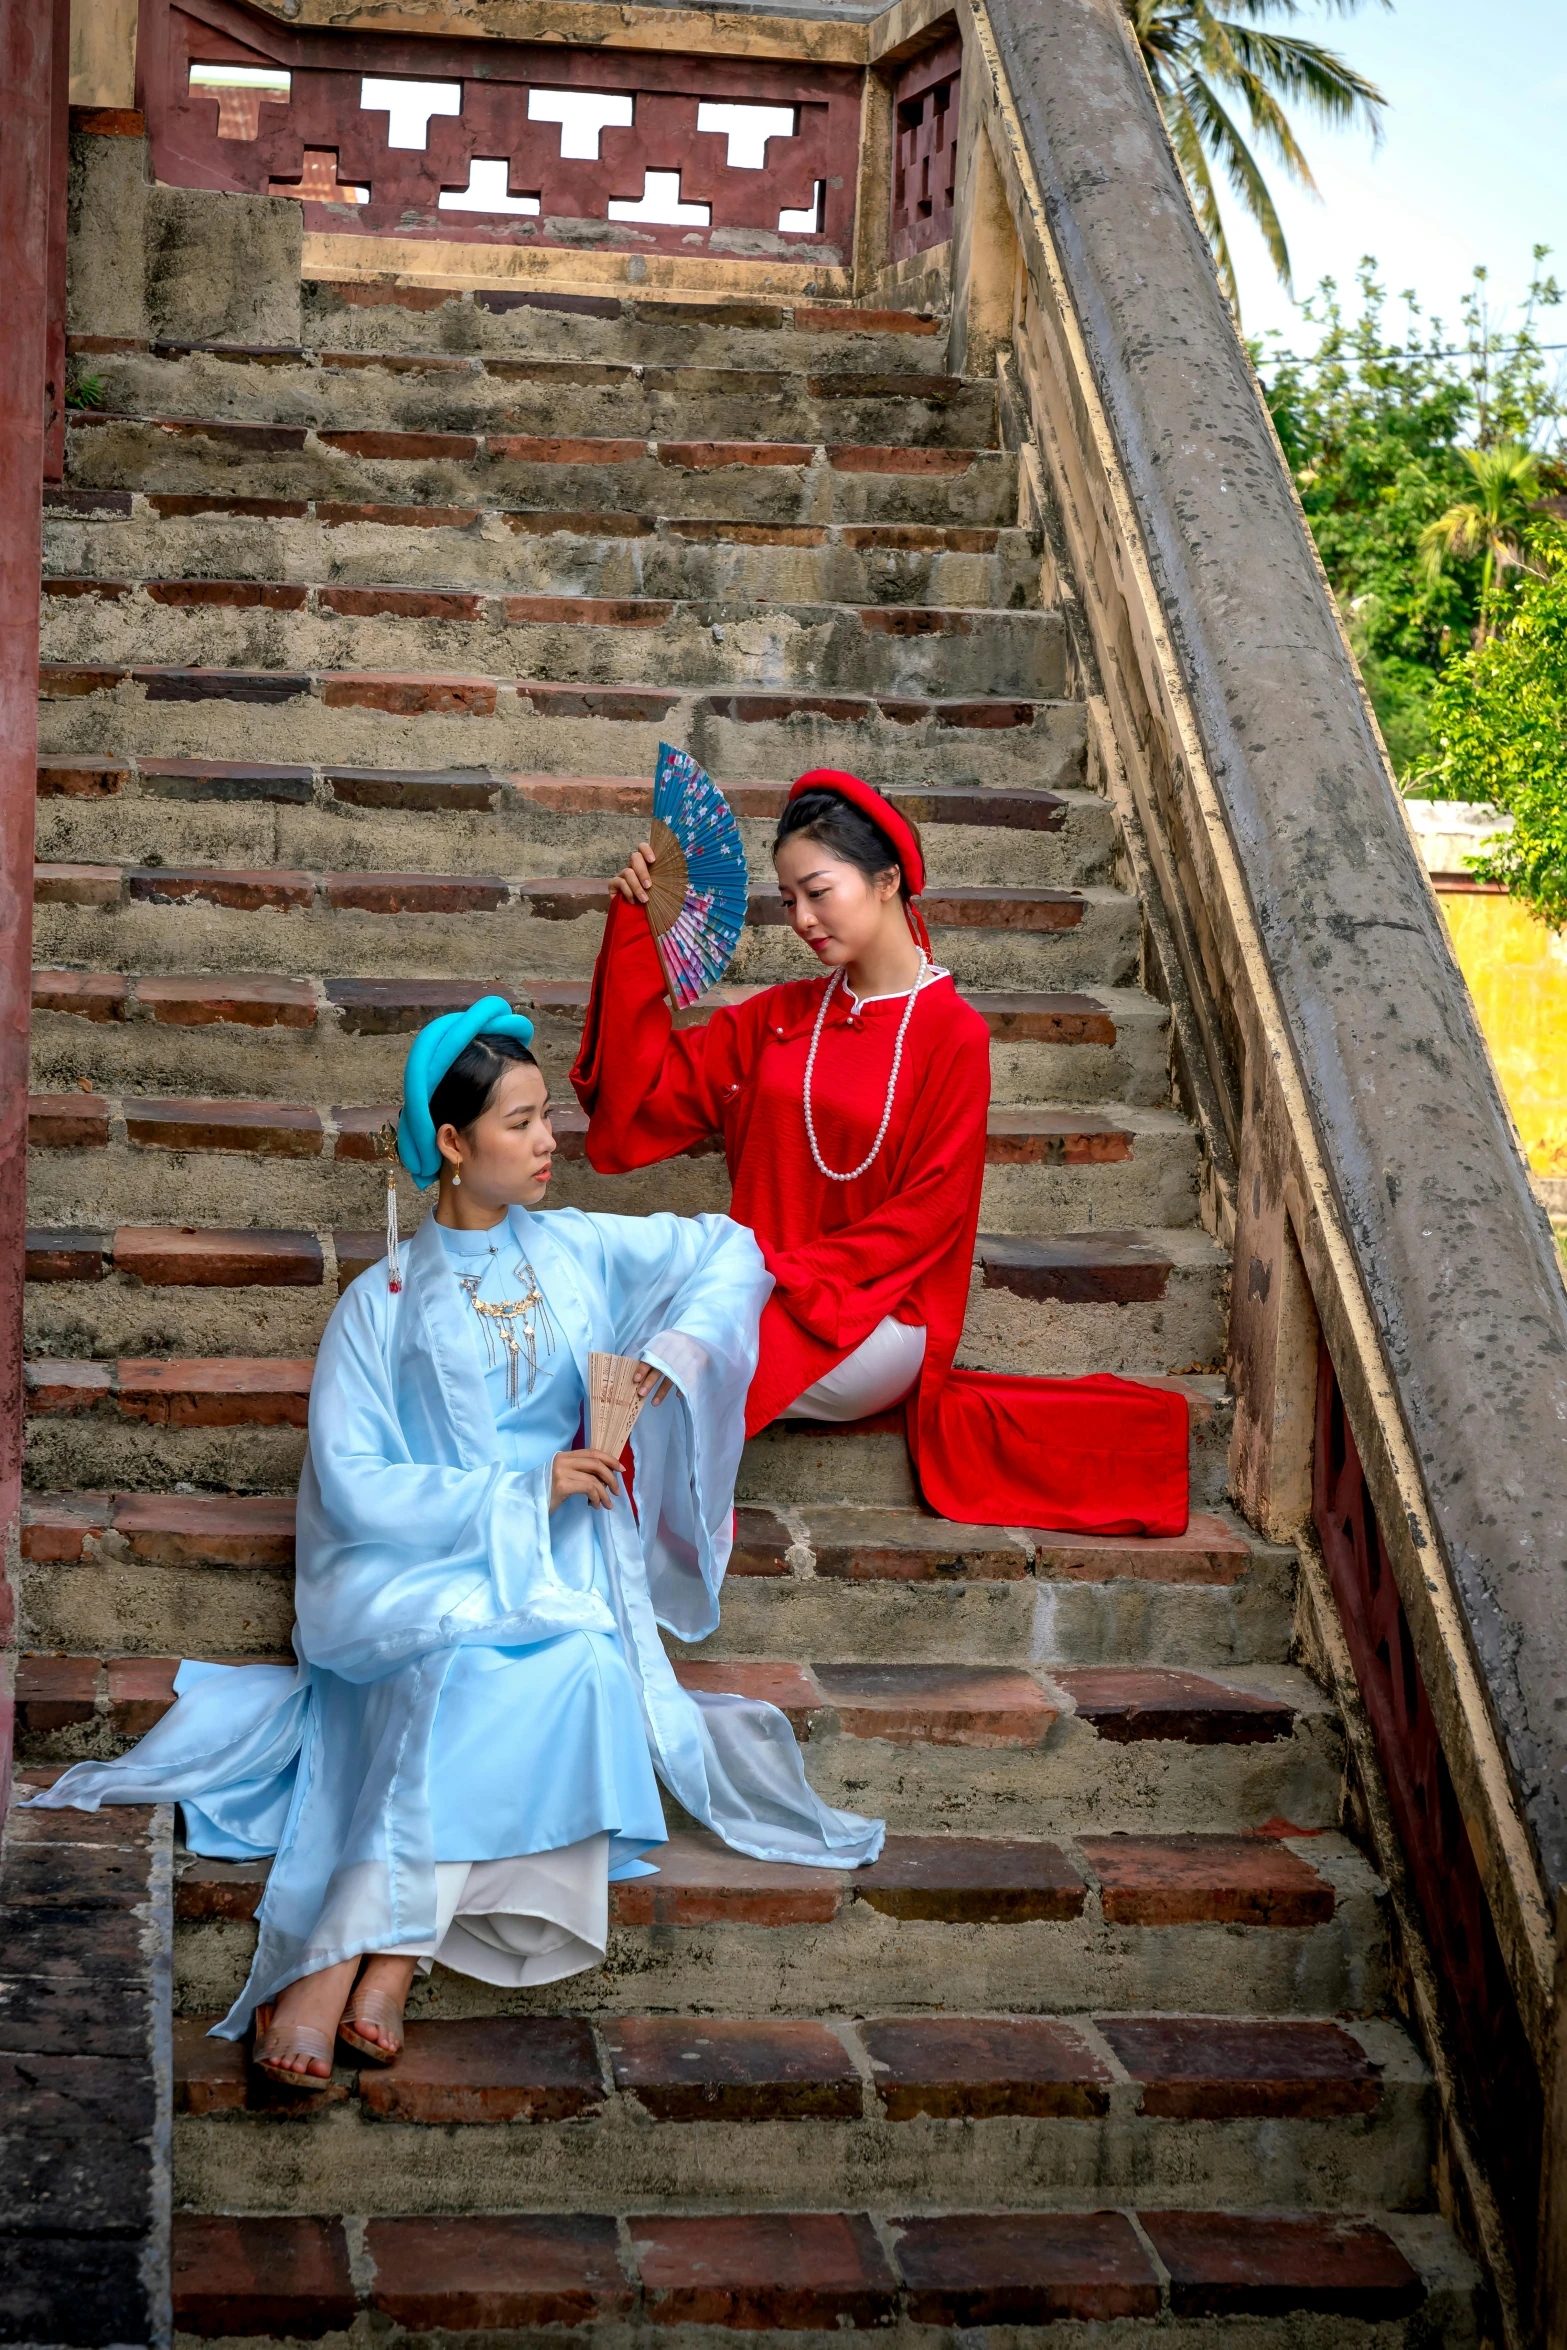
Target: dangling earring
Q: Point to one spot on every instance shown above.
(456, 1180)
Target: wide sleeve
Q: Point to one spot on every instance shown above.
(650, 1089)
(398, 1558)
(687, 1295)
(840, 1287)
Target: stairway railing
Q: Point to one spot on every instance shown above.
(1390, 1258)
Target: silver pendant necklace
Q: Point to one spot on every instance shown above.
(868, 1162)
(514, 1327)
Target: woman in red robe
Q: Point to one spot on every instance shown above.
(852, 1109)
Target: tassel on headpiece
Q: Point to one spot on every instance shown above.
(394, 1262)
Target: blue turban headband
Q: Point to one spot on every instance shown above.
(429, 1057)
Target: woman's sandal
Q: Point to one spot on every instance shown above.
(292, 2040)
(366, 2005)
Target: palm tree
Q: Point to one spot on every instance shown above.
(1197, 60)
(1492, 522)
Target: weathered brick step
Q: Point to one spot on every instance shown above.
(418, 321)
(999, 939)
(176, 1572)
(1254, 1882)
(1132, 1267)
(1296, 2277)
(1195, 1925)
(986, 1707)
(811, 480)
(470, 791)
(1249, 2111)
(935, 1746)
(189, 1033)
(675, 2069)
(162, 1289)
(1034, 1137)
(590, 640)
(355, 401)
(401, 820)
(124, 534)
(402, 694)
(277, 889)
(488, 725)
(374, 315)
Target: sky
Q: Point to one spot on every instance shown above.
(1472, 166)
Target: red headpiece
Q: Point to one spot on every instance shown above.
(878, 808)
(881, 811)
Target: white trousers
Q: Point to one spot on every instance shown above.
(877, 1375)
(530, 1919)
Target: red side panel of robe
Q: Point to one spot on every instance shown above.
(1100, 1455)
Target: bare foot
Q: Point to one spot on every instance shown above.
(313, 2006)
(388, 1978)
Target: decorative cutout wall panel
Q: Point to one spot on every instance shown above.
(235, 101)
(924, 154)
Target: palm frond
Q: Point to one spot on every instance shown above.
(1307, 74)
(1220, 136)
(1186, 139)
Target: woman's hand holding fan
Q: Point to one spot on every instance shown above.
(618, 1387)
(691, 876)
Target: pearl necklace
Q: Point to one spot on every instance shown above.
(867, 1163)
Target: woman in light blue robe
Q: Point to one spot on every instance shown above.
(463, 1756)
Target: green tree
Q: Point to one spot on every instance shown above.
(1206, 67)
(1499, 721)
(1490, 522)
(1374, 419)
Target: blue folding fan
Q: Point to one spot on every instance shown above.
(697, 897)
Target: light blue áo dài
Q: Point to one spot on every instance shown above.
(431, 1054)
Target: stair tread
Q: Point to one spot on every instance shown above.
(558, 896)
(405, 444)
(487, 2070)
(840, 1541)
(1153, 1881)
(820, 2270)
(399, 1006)
(394, 600)
(1030, 1133)
(465, 788)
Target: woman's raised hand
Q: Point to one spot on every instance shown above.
(589, 1472)
(631, 882)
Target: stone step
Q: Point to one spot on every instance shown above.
(271, 1036)
(351, 396)
(168, 1289)
(1192, 2109)
(1046, 1167)
(404, 820)
(949, 1747)
(1298, 2278)
(288, 718)
(235, 1424)
(589, 640)
(1223, 1924)
(798, 480)
(132, 917)
(409, 321)
(124, 534)
(731, 327)
(213, 1572)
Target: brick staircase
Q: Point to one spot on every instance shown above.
(356, 657)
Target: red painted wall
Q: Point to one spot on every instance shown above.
(33, 117)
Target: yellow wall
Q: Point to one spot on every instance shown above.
(1517, 974)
